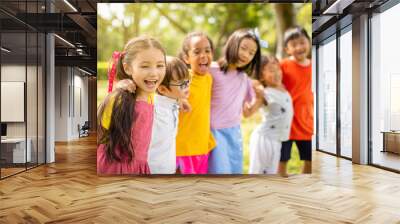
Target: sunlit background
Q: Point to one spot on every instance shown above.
(169, 23)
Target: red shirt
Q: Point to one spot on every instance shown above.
(297, 80)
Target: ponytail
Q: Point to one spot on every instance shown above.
(116, 63)
(116, 70)
(120, 105)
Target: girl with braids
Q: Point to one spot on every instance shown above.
(125, 119)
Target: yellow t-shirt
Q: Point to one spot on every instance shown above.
(194, 134)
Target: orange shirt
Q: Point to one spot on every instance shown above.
(298, 80)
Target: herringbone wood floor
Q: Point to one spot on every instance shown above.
(69, 191)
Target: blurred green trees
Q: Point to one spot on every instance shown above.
(169, 23)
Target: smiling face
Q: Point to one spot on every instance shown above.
(247, 51)
(199, 56)
(147, 70)
(299, 48)
(272, 74)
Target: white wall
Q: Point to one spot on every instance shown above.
(13, 73)
(71, 93)
(34, 123)
(314, 88)
(61, 103)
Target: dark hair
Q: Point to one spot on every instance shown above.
(175, 70)
(186, 44)
(123, 105)
(294, 33)
(231, 52)
(265, 60)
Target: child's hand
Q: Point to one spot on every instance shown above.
(126, 84)
(185, 105)
(246, 109)
(258, 88)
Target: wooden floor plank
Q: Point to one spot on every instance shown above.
(69, 191)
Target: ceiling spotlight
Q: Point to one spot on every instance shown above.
(337, 7)
(84, 71)
(5, 50)
(64, 40)
(70, 5)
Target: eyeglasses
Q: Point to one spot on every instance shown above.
(183, 85)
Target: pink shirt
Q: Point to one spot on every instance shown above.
(229, 92)
(140, 138)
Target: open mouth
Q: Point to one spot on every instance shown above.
(150, 83)
(301, 53)
(203, 65)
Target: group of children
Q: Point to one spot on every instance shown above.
(182, 115)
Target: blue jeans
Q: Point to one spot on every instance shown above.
(227, 156)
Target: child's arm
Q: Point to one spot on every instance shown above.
(184, 105)
(250, 109)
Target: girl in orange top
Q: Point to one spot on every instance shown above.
(297, 80)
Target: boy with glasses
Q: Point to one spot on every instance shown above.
(172, 91)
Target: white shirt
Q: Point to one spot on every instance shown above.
(277, 114)
(162, 152)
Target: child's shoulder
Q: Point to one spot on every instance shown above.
(144, 105)
(201, 80)
(287, 61)
(214, 68)
(276, 95)
(275, 91)
(109, 100)
(214, 65)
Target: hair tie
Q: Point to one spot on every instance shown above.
(263, 43)
(113, 71)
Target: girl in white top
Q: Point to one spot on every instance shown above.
(173, 89)
(266, 140)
